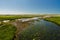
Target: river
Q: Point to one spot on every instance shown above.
(41, 30)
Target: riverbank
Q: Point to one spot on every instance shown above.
(19, 23)
(33, 26)
(55, 20)
(41, 30)
(22, 24)
(7, 32)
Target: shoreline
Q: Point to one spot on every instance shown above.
(52, 22)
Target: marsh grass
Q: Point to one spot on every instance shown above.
(54, 20)
(7, 32)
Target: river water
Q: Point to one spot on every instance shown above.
(41, 30)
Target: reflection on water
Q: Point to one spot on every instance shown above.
(41, 30)
(21, 26)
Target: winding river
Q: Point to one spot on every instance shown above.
(41, 30)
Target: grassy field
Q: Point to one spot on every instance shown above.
(12, 17)
(7, 32)
(54, 19)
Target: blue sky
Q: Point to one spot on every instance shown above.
(29, 6)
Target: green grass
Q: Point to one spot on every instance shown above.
(54, 19)
(12, 17)
(7, 32)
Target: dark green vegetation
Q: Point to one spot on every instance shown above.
(54, 19)
(7, 32)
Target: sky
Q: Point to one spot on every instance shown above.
(29, 6)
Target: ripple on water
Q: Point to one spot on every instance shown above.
(42, 30)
